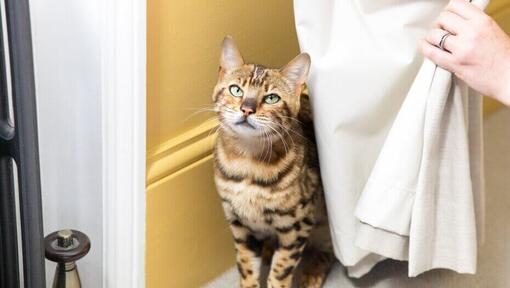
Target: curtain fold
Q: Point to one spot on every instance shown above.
(399, 138)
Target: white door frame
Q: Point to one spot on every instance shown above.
(124, 117)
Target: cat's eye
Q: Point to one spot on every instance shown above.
(236, 91)
(271, 99)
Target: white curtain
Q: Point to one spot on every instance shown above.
(399, 138)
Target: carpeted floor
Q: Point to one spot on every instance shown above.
(494, 255)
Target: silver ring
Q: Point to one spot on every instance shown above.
(443, 40)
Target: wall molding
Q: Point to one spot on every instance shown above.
(181, 151)
(123, 66)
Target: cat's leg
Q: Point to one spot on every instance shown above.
(287, 255)
(248, 251)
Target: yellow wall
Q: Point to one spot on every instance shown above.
(188, 242)
(500, 11)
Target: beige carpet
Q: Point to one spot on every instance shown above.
(494, 255)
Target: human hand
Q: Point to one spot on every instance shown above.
(477, 51)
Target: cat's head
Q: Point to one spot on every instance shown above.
(254, 101)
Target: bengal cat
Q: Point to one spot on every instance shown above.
(267, 172)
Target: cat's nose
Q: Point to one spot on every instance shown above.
(247, 110)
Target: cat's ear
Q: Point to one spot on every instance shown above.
(230, 55)
(297, 70)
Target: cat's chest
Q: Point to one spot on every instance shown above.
(249, 204)
(248, 201)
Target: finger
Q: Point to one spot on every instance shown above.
(438, 56)
(451, 22)
(464, 9)
(435, 36)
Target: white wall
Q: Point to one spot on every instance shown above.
(66, 38)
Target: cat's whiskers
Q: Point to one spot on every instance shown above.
(229, 115)
(292, 119)
(264, 139)
(270, 147)
(262, 156)
(270, 124)
(268, 139)
(285, 144)
(208, 108)
(286, 130)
